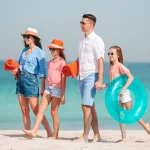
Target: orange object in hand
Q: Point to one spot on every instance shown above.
(71, 69)
(10, 65)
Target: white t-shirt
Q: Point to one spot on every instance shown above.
(91, 49)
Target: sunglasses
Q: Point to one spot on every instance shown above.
(26, 36)
(111, 54)
(52, 49)
(83, 23)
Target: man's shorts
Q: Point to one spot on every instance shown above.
(87, 89)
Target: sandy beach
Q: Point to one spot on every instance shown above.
(15, 140)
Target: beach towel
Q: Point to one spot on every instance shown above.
(10, 65)
(71, 69)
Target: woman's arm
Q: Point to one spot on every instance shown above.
(17, 69)
(42, 70)
(42, 86)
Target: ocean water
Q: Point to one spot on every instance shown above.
(71, 117)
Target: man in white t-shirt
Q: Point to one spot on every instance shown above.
(91, 57)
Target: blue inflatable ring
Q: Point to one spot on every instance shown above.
(140, 100)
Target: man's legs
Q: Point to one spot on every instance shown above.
(94, 124)
(88, 93)
(87, 120)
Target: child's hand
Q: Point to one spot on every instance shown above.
(122, 93)
(104, 85)
(62, 101)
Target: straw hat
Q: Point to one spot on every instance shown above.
(31, 31)
(58, 44)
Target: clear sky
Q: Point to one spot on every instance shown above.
(125, 23)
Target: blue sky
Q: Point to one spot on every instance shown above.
(125, 23)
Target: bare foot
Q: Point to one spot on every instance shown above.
(50, 134)
(81, 139)
(96, 138)
(80, 136)
(147, 128)
(121, 141)
(54, 138)
(27, 136)
(30, 133)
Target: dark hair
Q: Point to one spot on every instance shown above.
(61, 54)
(119, 53)
(37, 42)
(90, 17)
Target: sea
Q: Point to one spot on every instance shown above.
(70, 114)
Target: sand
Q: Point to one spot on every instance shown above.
(15, 140)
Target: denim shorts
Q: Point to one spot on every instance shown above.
(53, 91)
(87, 89)
(27, 85)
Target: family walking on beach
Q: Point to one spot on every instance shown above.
(90, 75)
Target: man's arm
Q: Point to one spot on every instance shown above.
(99, 54)
(100, 69)
(98, 84)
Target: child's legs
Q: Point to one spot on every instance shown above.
(128, 106)
(39, 111)
(122, 126)
(125, 101)
(54, 112)
(24, 105)
(144, 125)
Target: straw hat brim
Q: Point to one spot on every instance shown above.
(30, 33)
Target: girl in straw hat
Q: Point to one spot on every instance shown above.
(31, 64)
(55, 91)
